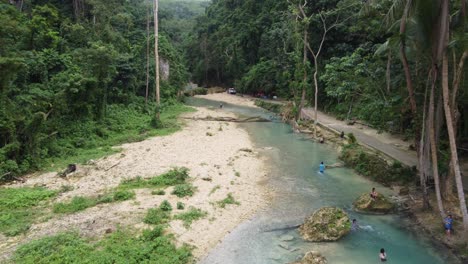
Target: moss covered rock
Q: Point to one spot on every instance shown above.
(326, 224)
(380, 205)
(312, 257)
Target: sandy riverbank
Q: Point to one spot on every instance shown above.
(209, 149)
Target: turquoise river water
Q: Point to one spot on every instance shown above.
(300, 190)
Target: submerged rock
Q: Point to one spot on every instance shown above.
(326, 224)
(312, 257)
(380, 205)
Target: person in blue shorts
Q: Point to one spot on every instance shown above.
(448, 221)
(322, 167)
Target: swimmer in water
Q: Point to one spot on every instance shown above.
(322, 167)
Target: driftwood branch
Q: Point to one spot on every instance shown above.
(4, 175)
(229, 119)
(112, 166)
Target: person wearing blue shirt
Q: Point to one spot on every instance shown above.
(322, 167)
(448, 221)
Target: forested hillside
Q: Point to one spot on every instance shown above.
(397, 65)
(257, 45)
(73, 77)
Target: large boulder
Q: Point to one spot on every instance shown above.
(326, 224)
(380, 205)
(312, 257)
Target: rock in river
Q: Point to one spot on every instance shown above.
(326, 224)
(380, 205)
(312, 257)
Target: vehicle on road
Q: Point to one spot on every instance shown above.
(231, 91)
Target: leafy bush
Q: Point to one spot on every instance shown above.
(123, 195)
(191, 215)
(158, 192)
(196, 91)
(352, 138)
(156, 216)
(183, 190)
(180, 206)
(165, 206)
(19, 208)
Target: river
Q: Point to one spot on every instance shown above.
(300, 190)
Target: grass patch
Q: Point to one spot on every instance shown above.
(77, 204)
(183, 190)
(172, 177)
(193, 214)
(228, 200)
(158, 192)
(19, 208)
(80, 203)
(120, 247)
(217, 187)
(156, 216)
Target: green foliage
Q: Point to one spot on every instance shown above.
(217, 187)
(172, 177)
(273, 107)
(183, 190)
(123, 195)
(77, 204)
(165, 206)
(180, 206)
(193, 214)
(196, 91)
(158, 192)
(20, 207)
(120, 247)
(376, 168)
(352, 139)
(69, 91)
(228, 200)
(157, 216)
(80, 203)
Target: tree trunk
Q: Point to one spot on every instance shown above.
(304, 80)
(156, 57)
(423, 153)
(404, 60)
(147, 53)
(458, 73)
(453, 144)
(388, 72)
(448, 113)
(435, 165)
(316, 96)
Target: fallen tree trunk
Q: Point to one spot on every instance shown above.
(229, 119)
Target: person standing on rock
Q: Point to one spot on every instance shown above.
(382, 255)
(322, 167)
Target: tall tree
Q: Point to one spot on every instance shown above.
(156, 57)
(147, 51)
(444, 38)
